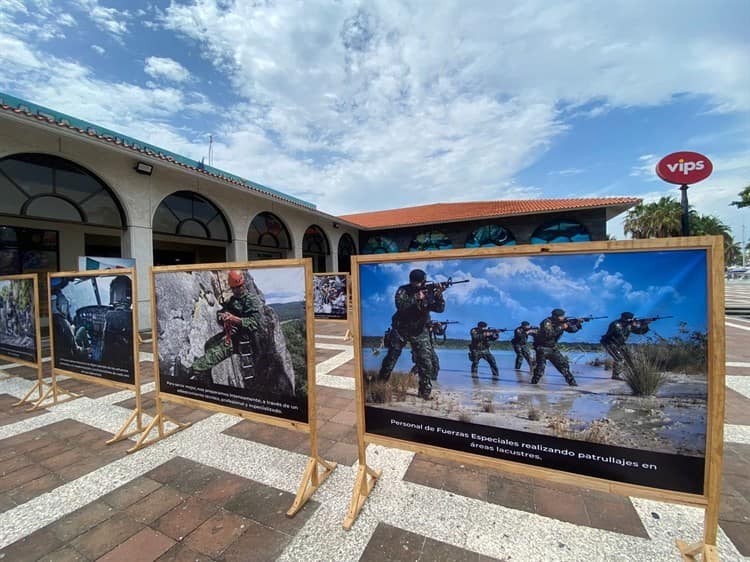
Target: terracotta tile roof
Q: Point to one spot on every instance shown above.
(472, 210)
(17, 106)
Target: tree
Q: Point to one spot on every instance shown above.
(663, 219)
(655, 220)
(744, 198)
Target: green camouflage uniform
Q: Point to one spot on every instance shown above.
(479, 348)
(545, 346)
(247, 307)
(520, 343)
(410, 325)
(614, 342)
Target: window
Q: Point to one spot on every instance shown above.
(185, 213)
(433, 240)
(380, 245)
(267, 238)
(346, 250)
(315, 246)
(490, 235)
(49, 187)
(560, 231)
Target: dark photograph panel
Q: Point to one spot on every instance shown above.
(592, 363)
(235, 337)
(92, 325)
(17, 319)
(330, 296)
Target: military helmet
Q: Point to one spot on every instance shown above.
(235, 279)
(121, 290)
(558, 312)
(481, 324)
(417, 276)
(62, 304)
(524, 324)
(627, 315)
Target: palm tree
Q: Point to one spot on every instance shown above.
(655, 220)
(744, 198)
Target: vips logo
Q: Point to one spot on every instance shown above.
(684, 168)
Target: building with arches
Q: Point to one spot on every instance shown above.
(71, 188)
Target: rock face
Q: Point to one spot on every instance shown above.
(186, 307)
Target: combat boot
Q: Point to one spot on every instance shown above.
(425, 388)
(535, 379)
(199, 376)
(570, 379)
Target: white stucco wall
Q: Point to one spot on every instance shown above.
(140, 195)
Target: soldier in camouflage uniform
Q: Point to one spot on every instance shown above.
(616, 337)
(410, 325)
(479, 348)
(520, 343)
(241, 313)
(545, 346)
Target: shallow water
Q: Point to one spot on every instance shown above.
(596, 396)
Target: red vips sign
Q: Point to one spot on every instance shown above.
(684, 168)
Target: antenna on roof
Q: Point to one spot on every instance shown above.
(210, 150)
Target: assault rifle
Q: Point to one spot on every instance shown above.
(431, 287)
(650, 318)
(440, 328)
(495, 332)
(581, 319)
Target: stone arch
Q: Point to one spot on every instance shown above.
(315, 245)
(268, 237)
(346, 249)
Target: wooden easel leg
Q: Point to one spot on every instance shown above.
(38, 386)
(120, 435)
(311, 481)
(158, 423)
(366, 479)
(55, 391)
(691, 552)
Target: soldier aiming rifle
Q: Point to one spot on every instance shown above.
(479, 348)
(545, 343)
(618, 332)
(440, 329)
(520, 343)
(410, 324)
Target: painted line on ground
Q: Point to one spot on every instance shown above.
(737, 326)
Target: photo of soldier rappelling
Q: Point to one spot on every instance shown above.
(577, 384)
(235, 337)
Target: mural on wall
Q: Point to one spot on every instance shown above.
(433, 240)
(490, 235)
(561, 231)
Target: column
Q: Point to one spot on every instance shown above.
(138, 243)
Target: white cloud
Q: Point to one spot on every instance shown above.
(161, 67)
(98, 49)
(111, 20)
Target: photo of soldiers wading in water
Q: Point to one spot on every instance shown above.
(410, 324)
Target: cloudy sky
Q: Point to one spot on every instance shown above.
(505, 291)
(333, 101)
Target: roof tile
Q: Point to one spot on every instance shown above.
(450, 212)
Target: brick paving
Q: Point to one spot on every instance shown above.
(187, 510)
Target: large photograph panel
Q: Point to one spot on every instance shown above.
(591, 363)
(330, 296)
(92, 325)
(17, 319)
(234, 337)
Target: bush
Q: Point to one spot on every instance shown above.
(384, 392)
(644, 374)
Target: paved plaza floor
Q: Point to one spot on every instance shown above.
(219, 490)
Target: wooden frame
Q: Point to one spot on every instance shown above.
(39, 385)
(709, 499)
(55, 391)
(317, 469)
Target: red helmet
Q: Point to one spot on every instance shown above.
(236, 279)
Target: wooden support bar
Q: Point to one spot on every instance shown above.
(311, 481)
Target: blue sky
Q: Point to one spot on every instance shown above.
(332, 101)
(507, 290)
